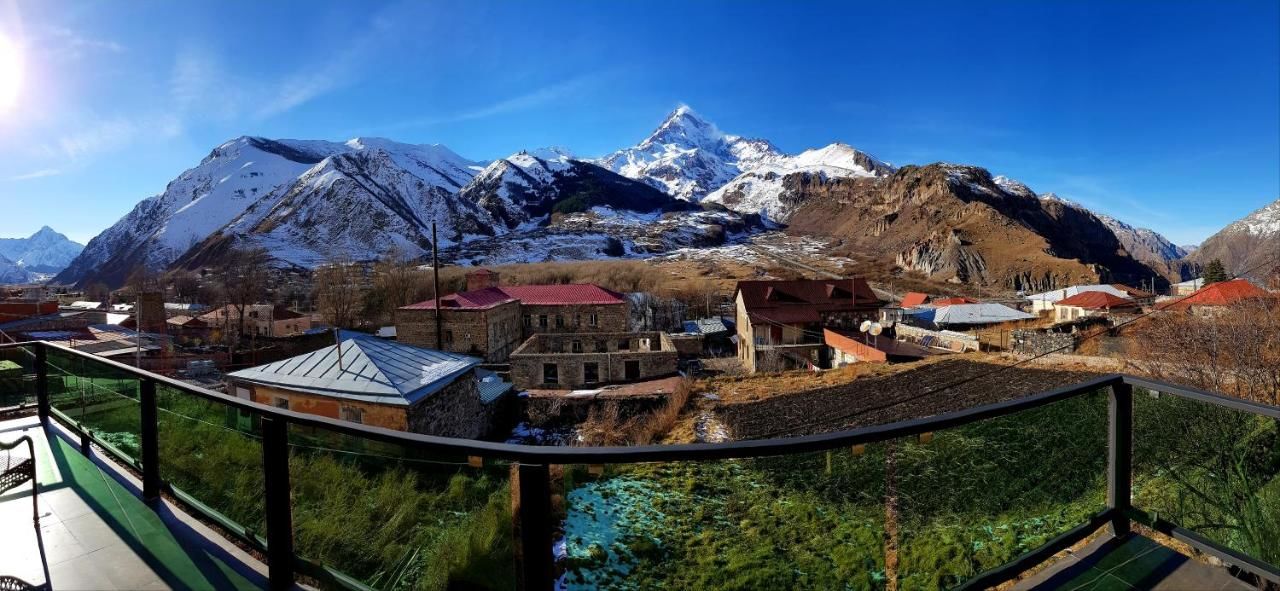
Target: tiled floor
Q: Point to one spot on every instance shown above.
(96, 533)
(1133, 563)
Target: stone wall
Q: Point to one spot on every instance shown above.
(653, 354)
(1040, 342)
(574, 319)
(491, 333)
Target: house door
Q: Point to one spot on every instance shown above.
(632, 369)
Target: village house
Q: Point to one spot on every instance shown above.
(364, 379)
(490, 320)
(1092, 303)
(1045, 302)
(1187, 287)
(849, 347)
(779, 323)
(964, 316)
(260, 320)
(1215, 298)
(567, 361)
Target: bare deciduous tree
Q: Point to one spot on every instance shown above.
(339, 288)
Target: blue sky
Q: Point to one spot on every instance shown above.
(1164, 114)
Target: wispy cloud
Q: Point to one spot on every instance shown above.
(112, 134)
(36, 174)
(65, 43)
(537, 97)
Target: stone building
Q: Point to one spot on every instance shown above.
(567, 361)
(262, 320)
(490, 320)
(368, 380)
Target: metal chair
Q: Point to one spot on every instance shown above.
(16, 470)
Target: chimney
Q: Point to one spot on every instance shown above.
(481, 279)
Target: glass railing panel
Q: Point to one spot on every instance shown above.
(802, 521)
(99, 398)
(969, 499)
(398, 518)
(212, 452)
(17, 377)
(1209, 469)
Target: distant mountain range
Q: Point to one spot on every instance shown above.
(36, 257)
(686, 184)
(1249, 247)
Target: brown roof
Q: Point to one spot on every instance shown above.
(1096, 300)
(537, 295)
(803, 300)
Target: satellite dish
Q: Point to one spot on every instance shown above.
(866, 325)
(875, 329)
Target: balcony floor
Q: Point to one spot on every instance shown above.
(96, 533)
(1135, 562)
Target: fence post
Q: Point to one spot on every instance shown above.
(42, 384)
(150, 441)
(279, 508)
(531, 513)
(1120, 457)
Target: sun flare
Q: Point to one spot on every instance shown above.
(10, 73)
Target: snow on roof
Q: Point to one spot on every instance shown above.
(1066, 292)
(975, 314)
(371, 370)
(85, 305)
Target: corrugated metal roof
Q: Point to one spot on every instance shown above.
(371, 369)
(491, 386)
(1066, 292)
(706, 326)
(1097, 300)
(975, 314)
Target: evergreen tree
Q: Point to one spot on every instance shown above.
(1214, 272)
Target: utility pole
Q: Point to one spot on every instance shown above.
(435, 278)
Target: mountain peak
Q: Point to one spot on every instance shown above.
(685, 128)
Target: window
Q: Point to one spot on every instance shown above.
(624, 344)
(280, 402)
(352, 414)
(528, 320)
(542, 320)
(590, 373)
(577, 346)
(448, 337)
(550, 373)
(594, 319)
(559, 321)
(632, 369)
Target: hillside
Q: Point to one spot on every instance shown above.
(956, 223)
(1249, 246)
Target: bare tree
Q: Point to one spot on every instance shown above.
(339, 291)
(243, 278)
(397, 282)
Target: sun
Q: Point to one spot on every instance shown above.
(10, 73)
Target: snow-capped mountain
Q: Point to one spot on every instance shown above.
(524, 189)
(1143, 243)
(46, 251)
(231, 179)
(689, 157)
(11, 272)
(1249, 246)
(770, 188)
(358, 204)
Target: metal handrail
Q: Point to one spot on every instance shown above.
(530, 476)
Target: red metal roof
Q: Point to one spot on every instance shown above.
(537, 295)
(1221, 294)
(914, 298)
(1096, 300)
(940, 302)
(803, 300)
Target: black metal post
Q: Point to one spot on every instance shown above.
(275, 466)
(42, 384)
(1120, 457)
(532, 515)
(150, 441)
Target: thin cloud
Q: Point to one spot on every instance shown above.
(112, 134)
(65, 43)
(530, 100)
(36, 174)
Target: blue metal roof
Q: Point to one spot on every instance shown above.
(491, 386)
(369, 369)
(706, 326)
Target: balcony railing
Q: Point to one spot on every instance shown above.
(968, 499)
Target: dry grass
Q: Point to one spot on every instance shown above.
(604, 427)
(757, 387)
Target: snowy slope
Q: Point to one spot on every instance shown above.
(11, 272)
(764, 189)
(360, 203)
(1143, 243)
(689, 157)
(235, 177)
(1248, 246)
(46, 251)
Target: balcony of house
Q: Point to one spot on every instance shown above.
(1115, 482)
